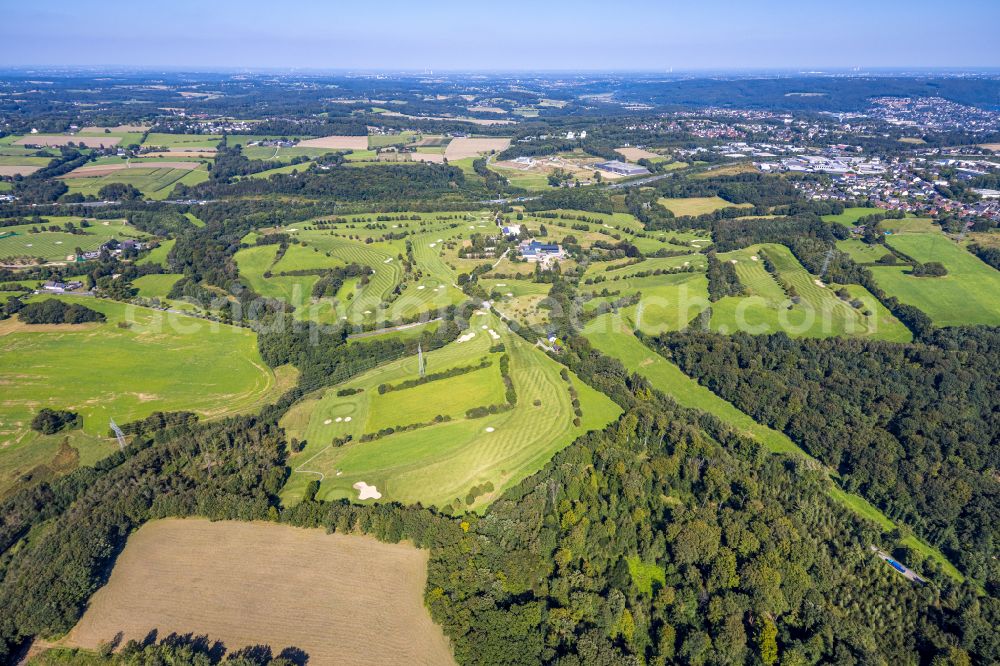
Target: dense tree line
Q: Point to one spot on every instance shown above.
(54, 311)
(991, 255)
(722, 279)
(390, 182)
(912, 427)
(753, 188)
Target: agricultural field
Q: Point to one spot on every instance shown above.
(447, 463)
(967, 295)
(694, 206)
(768, 308)
(333, 143)
(380, 140)
(347, 599)
(55, 140)
(104, 371)
(462, 147)
(182, 141)
(59, 246)
(154, 181)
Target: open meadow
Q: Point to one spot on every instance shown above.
(160, 362)
(850, 216)
(967, 295)
(341, 599)
(694, 206)
(154, 180)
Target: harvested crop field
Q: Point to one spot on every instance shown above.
(463, 147)
(19, 170)
(636, 154)
(435, 158)
(336, 143)
(342, 599)
(63, 140)
(120, 129)
(105, 169)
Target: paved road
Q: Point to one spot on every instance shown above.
(905, 571)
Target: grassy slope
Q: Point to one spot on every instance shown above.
(437, 464)
(966, 296)
(103, 371)
(821, 313)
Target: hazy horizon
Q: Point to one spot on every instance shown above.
(585, 36)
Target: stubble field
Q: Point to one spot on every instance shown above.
(342, 599)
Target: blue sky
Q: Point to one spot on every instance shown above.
(511, 35)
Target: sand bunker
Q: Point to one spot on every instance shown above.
(367, 492)
(466, 337)
(490, 429)
(328, 422)
(755, 258)
(818, 283)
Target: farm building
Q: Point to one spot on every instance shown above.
(536, 251)
(60, 287)
(622, 168)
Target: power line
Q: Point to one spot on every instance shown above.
(118, 434)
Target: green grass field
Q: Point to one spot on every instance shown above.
(861, 252)
(967, 295)
(58, 245)
(161, 362)
(820, 313)
(668, 302)
(427, 289)
(183, 140)
(439, 464)
(693, 206)
(154, 183)
(158, 255)
(850, 216)
(157, 285)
